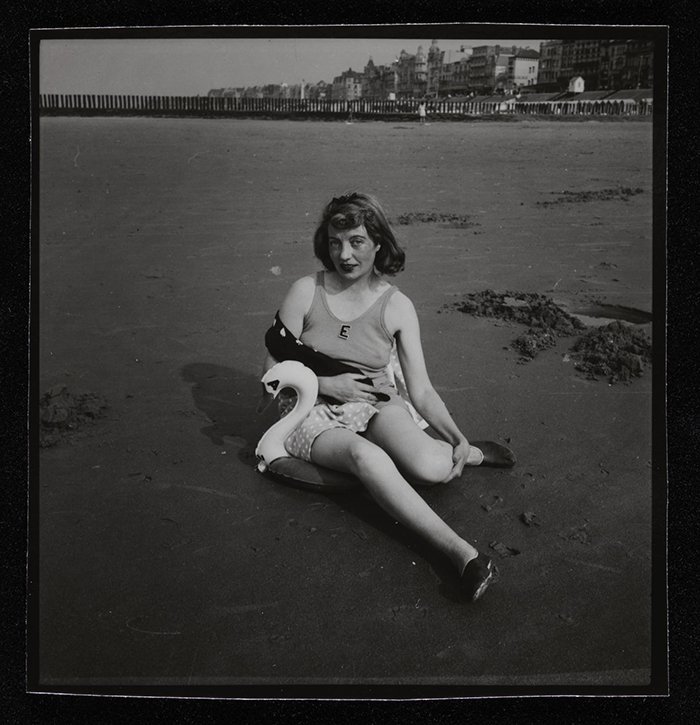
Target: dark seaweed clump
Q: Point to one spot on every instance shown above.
(616, 351)
(527, 308)
(532, 341)
(62, 413)
(577, 197)
(461, 221)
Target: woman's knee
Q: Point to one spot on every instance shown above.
(430, 465)
(365, 455)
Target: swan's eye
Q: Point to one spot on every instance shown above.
(273, 384)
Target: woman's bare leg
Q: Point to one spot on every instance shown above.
(417, 455)
(346, 451)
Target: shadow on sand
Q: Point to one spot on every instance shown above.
(229, 399)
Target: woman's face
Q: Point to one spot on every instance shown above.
(352, 251)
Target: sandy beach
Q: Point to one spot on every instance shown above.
(166, 560)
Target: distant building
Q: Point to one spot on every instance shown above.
(379, 82)
(613, 64)
(347, 86)
(638, 71)
(481, 75)
(603, 64)
(454, 73)
(434, 64)
(586, 61)
(500, 71)
(412, 74)
(488, 67)
(317, 91)
(550, 64)
(600, 64)
(522, 69)
(576, 85)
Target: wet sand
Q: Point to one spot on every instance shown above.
(167, 245)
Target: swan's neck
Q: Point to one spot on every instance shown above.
(271, 445)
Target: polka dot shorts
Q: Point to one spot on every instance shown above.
(324, 416)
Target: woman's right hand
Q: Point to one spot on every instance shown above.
(347, 388)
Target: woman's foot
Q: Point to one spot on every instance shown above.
(495, 455)
(476, 577)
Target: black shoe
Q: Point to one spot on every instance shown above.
(476, 577)
(495, 455)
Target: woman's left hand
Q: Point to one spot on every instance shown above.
(460, 453)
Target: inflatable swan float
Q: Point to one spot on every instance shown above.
(273, 456)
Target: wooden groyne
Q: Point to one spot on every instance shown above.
(122, 105)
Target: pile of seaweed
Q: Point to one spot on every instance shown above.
(616, 352)
(527, 308)
(532, 341)
(575, 197)
(461, 221)
(61, 413)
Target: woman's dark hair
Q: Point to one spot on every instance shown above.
(353, 210)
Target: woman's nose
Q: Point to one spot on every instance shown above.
(345, 250)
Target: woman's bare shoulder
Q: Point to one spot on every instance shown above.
(299, 298)
(399, 311)
(400, 302)
(303, 288)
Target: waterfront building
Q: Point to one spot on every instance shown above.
(412, 72)
(586, 61)
(522, 69)
(617, 50)
(481, 68)
(317, 91)
(603, 64)
(454, 73)
(434, 64)
(347, 86)
(566, 69)
(500, 71)
(379, 82)
(639, 64)
(550, 64)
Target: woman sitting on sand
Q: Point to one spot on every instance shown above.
(351, 313)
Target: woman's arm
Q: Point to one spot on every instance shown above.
(294, 307)
(296, 304)
(402, 320)
(345, 387)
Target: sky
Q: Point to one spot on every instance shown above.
(193, 66)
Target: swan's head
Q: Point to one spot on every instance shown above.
(289, 373)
